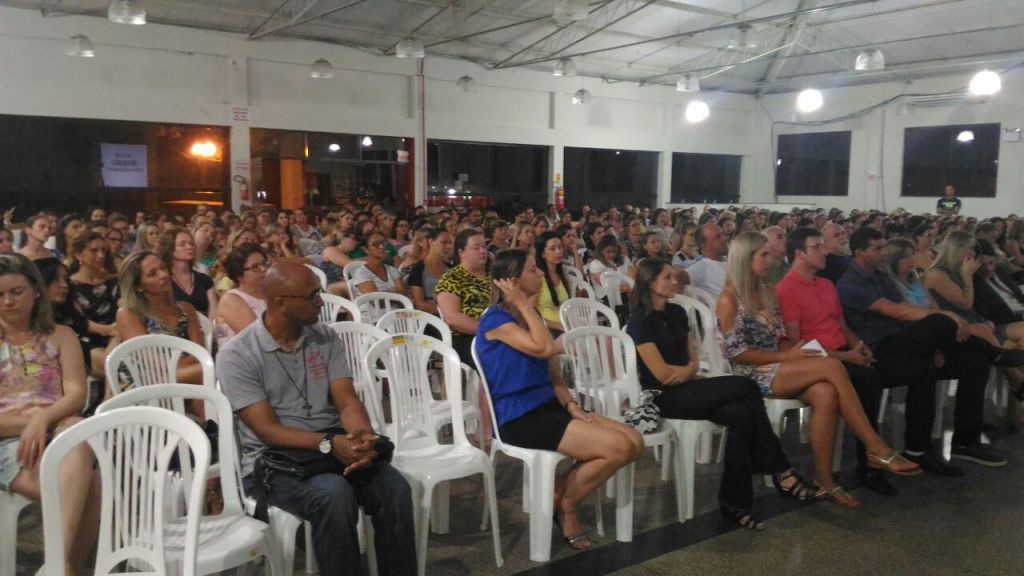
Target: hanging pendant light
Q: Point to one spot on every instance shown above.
(321, 69)
(410, 48)
(697, 111)
(126, 12)
(870, 60)
(688, 84)
(809, 100)
(564, 67)
(79, 45)
(582, 96)
(467, 83)
(569, 11)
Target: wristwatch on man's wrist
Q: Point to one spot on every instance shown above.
(327, 443)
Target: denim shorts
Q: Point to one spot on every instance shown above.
(9, 467)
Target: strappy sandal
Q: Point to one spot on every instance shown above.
(743, 518)
(839, 496)
(878, 463)
(580, 541)
(800, 489)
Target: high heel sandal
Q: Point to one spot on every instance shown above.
(580, 541)
(800, 489)
(743, 518)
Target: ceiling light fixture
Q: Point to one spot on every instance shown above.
(985, 83)
(204, 149)
(564, 67)
(568, 11)
(466, 83)
(367, 142)
(688, 84)
(321, 69)
(697, 111)
(965, 137)
(126, 12)
(741, 40)
(410, 48)
(809, 100)
(334, 146)
(870, 60)
(80, 45)
(582, 96)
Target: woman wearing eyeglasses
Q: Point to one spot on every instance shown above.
(247, 267)
(377, 276)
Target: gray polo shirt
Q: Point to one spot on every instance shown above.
(253, 367)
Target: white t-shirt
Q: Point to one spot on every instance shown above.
(363, 274)
(708, 275)
(596, 267)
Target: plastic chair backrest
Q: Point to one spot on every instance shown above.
(208, 331)
(604, 366)
(576, 286)
(611, 282)
(573, 272)
(577, 312)
(702, 296)
(407, 359)
(374, 305)
(487, 393)
(414, 322)
(320, 275)
(172, 397)
(153, 359)
(133, 449)
(704, 328)
(335, 304)
(357, 339)
(348, 272)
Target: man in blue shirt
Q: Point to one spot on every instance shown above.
(917, 346)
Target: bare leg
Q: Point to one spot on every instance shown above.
(600, 447)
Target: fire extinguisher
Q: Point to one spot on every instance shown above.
(559, 198)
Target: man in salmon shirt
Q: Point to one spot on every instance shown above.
(811, 311)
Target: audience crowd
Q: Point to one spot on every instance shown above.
(820, 305)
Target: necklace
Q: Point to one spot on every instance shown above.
(304, 391)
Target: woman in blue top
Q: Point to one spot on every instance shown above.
(532, 404)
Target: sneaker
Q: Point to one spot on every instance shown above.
(932, 464)
(978, 454)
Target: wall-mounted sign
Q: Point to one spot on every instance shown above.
(124, 165)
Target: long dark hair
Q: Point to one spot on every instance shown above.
(647, 271)
(48, 268)
(62, 242)
(508, 264)
(538, 248)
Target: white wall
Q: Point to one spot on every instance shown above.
(170, 74)
(876, 156)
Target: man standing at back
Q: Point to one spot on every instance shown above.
(287, 379)
(949, 204)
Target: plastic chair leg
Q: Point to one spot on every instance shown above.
(311, 565)
(11, 506)
(439, 512)
(542, 488)
(624, 503)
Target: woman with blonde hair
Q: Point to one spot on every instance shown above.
(756, 345)
(146, 236)
(900, 254)
(42, 391)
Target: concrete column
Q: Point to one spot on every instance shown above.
(239, 117)
(293, 184)
(664, 178)
(557, 176)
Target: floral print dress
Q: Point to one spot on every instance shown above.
(763, 331)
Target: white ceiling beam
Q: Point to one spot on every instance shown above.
(793, 32)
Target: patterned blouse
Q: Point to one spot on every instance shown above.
(474, 293)
(762, 331)
(30, 374)
(98, 303)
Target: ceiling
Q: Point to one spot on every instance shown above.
(788, 44)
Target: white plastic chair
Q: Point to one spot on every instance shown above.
(357, 339)
(133, 448)
(374, 305)
(348, 272)
(578, 312)
(418, 454)
(333, 305)
(703, 296)
(208, 331)
(538, 480)
(320, 275)
(578, 282)
(611, 283)
(153, 359)
(230, 538)
(704, 327)
(11, 505)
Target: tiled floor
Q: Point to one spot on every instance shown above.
(936, 526)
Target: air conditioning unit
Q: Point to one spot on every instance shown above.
(942, 100)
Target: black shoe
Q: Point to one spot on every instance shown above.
(932, 464)
(1007, 358)
(876, 481)
(978, 454)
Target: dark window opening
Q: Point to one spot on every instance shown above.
(600, 178)
(705, 178)
(501, 176)
(966, 156)
(816, 164)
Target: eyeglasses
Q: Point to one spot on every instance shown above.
(258, 267)
(312, 297)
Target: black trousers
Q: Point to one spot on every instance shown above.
(751, 446)
(868, 385)
(908, 358)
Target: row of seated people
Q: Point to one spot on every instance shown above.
(467, 290)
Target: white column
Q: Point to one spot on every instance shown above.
(419, 99)
(557, 174)
(664, 178)
(239, 117)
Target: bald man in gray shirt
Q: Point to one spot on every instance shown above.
(287, 380)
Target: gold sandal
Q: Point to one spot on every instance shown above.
(878, 463)
(839, 496)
